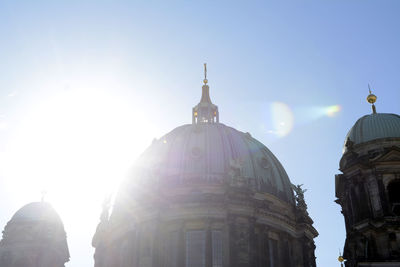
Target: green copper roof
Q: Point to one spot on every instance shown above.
(374, 126)
(214, 152)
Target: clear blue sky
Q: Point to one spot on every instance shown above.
(86, 85)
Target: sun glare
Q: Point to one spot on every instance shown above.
(77, 146)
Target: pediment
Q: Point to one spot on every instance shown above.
(391, 156)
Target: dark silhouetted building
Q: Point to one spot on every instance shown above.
(369, 190)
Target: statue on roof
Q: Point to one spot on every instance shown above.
(299, 196)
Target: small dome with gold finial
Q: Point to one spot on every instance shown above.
(373, 126)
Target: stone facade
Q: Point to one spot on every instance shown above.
(237, 228)
(369, 194)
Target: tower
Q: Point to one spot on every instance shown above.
(368, 190)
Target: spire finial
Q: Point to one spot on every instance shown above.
(44, 193)
(371, 98)
(205, 74)
(340, 258)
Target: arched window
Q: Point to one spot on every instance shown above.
(394, 196)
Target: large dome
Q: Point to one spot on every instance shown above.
(206, 194)
(374, 126)
(215, 152)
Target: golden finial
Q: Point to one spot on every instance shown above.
(340, 258)
(371, 98)
(205, 74)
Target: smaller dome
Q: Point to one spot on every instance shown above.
(34, 236)
(374, 126)
(37, 211)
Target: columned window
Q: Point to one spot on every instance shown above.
(196, 248)
(200, 251)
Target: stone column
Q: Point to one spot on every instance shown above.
(241, 242)
(157, 245)
(182, 245)
(252, 242)
(231, 238)
(261, 251)
(208, 245)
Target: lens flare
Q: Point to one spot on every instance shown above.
(282, 119)
(308, 114)
(332, 111)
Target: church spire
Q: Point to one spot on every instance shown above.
(205, 111)
(371, 98)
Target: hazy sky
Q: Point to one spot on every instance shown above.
(86, 85)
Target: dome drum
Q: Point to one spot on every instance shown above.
(236, 213)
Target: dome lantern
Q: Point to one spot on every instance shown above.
(205, 111)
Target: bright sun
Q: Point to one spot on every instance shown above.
(77, 146)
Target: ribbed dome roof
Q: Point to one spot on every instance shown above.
(37, 211)
(213, 152)
(374, 126)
